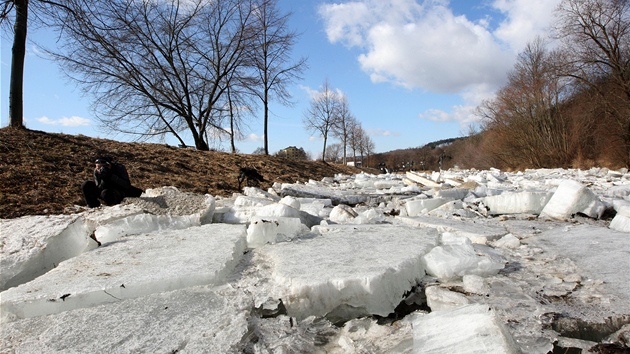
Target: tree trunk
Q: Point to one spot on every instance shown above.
(16, 85)
(266, 108)
(232, 134)
(200, 144)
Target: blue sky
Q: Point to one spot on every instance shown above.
(413, 71)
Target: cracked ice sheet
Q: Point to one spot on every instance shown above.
(559, 271)
(366, 267)
(585, 245)
(473, 229)
(194, 320)
(131, 267)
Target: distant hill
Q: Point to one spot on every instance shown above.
(425, 157)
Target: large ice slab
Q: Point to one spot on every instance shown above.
(476, 232)
(193, 320)
(419, 206)
(157, 209)
(263, 230)
(420, 179)
(466, 329)
(143, 223)
(244, 209)
(457, 256)
(102, 216)
(517, 203)
(570, 198)
(313, 191)
(32, 245)
(621, 221)
(132, 267)
(171, 201)
(349, 269)
(316, 207)
(452, 193)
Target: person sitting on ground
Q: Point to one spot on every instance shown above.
(111, 184)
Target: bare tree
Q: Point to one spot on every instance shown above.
(238, 106)
(346, 123)
(525, 115)
(270, 57)
(157, 67)
(355, 138)
(323, 114)
(334, 153)
(596, 35)
(366, 147)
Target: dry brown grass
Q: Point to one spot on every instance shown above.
(41, 173)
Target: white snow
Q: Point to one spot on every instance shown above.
(506, 262)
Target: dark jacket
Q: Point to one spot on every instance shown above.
(114, 177)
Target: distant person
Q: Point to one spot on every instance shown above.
(111, 184)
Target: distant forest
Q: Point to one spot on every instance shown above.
(592, 136)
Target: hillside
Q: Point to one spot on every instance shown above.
(41, 173)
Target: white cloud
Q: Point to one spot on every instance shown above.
(46, 120)
(418, 45)
(463, 114)
(254, 137)
(313, 93)
(309, 91)
(346, 22)
(381, 132)
(524, 20)
(436, 115)
(423, 45)
(73, 121)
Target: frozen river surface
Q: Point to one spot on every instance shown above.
(459, 261)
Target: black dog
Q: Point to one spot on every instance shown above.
(250, 175)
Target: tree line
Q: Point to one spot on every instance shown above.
(329, 115)
(158, 68)
(569, 105)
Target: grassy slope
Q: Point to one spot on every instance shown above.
(41, 173)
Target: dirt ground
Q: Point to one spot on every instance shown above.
(41, 173)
